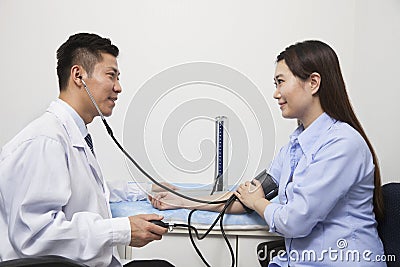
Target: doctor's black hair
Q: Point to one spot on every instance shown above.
(82, 49)
(310, 56)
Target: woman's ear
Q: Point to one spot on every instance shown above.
(315, 81)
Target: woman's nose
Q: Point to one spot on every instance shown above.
(277, 94)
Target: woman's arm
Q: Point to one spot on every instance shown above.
(253, 196)
(167, 200)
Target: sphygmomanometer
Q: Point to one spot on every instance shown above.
(269, 186)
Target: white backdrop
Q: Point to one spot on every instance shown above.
(245, 36)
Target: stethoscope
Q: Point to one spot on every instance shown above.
(226, 202)
(110, 132)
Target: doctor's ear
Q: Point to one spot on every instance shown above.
(315, 81)
(77, 74)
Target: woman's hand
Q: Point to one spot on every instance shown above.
(166, 201)
(156, 188)
(252, 196)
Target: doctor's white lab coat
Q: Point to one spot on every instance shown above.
(53, 199)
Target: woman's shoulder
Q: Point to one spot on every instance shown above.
(346, 137)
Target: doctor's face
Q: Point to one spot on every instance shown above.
(104, 85)
(294, 98)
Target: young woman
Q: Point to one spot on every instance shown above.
(328, 174)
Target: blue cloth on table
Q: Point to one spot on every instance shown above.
(232, 221)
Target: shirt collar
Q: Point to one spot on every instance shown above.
(307, 137)
(77, 119)
(295, 135)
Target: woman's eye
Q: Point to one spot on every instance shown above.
(277, 82)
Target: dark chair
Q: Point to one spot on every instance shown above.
(43, 261)
(269, 249)
(389, 227)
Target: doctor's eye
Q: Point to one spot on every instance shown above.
(113, 76)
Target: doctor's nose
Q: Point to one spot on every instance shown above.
(117, 87)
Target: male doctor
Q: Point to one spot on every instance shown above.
(53, 197)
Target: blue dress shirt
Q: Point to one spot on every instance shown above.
(325, 210)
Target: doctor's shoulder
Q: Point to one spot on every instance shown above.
(42, 129)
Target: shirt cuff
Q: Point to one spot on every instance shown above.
(269, 213)
(121, 231)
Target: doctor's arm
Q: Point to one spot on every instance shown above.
(38, 224)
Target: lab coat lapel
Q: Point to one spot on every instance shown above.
(77, 140)
(94, 166)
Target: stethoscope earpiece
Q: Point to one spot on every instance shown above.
(84, 84)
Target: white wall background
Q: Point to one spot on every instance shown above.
(244, 35)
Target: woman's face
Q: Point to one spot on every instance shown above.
(294, 96)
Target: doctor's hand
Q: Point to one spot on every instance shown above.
(252, 196)
(143, 231)
(166, 201)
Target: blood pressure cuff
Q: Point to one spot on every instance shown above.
(269, 186)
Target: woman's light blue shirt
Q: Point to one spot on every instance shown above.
(325, 210)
